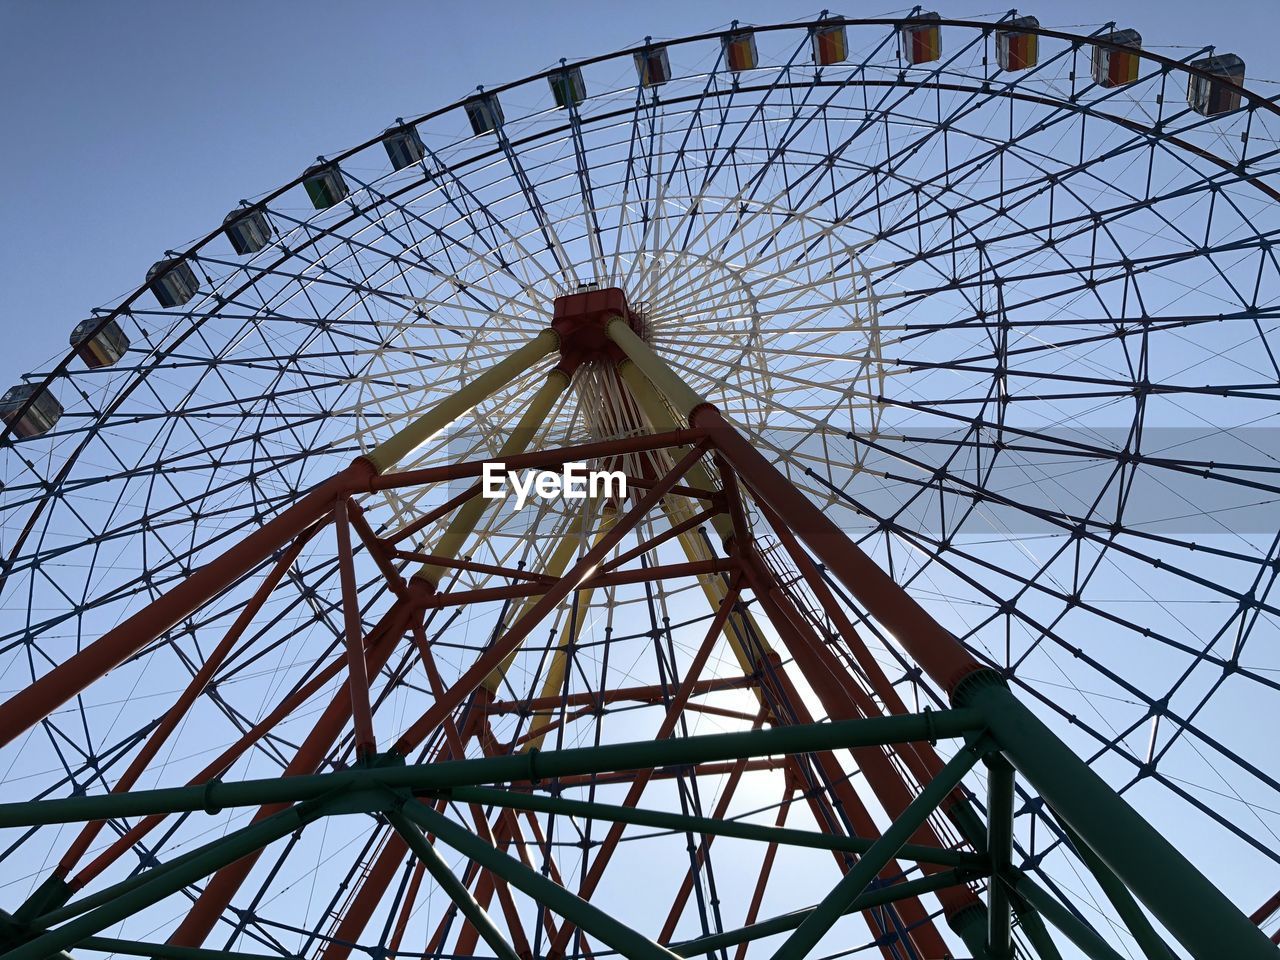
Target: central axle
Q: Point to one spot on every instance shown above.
(580, 319)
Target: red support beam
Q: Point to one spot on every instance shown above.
(939, 654)
(921, 758)
(670, 533)
(700, 856)
(36, 701)
(358, 678)
(826, 682)
(679, 490)
(174, 715)
(471, 566)
(431, 516)
(843, 700)
(674, 709)
(541, 459)
(665, 773)
(375, 881)
(766, 867)
(222, 886)
(648, 693)
(515, 591)
(377, 549)
(33, 703)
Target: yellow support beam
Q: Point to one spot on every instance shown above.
(655, 409)
(682, 396)
(556, 565)
(677, 510)
(464, 522)
(570, 629)
(394, 449)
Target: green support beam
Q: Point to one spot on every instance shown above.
(970, 925)
(454, 888)
(167, 951)
(521, 767)
(1036, 932)
(1079, 933)
(1122, 850)
(790, 921)
(169, 879)
(360, 801)
(681, 823)
(1000, 849)
(974, 830)
(1149, 941)
(854, 883)
(1188, 905)
(586, 916)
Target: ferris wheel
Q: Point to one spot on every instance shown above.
(933, 613)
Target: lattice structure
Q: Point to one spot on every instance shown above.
(861, 659)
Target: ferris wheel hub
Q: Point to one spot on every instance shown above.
(580, 319)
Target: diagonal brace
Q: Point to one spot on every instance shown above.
(451, 885)
(854, 883)
(550, 894)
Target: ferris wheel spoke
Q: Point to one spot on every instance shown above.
(729, 156)
(1137, 204)
(1150, 701)
(884, 106)
(1073, 446)
(1003, 606)
(447, 241)
(326, 276)
(494, 223)
(1086, 528)
(554, 246)
(1125, 265)
(640, 148)
(591, 219)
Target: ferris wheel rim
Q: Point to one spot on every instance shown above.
(1255, 100)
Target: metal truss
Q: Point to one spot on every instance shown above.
(902, 433)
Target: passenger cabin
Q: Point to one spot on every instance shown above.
(567, 87)
(830, 45)
(404, 145)
(1116, 66)
(39, 418)
(653, 66)
(484, 112)
(921, 38)
(248, 229)
(324, 185)
(1016, 49)
(740, 50)
(1209, 97)
(172, 282)
(99, 344)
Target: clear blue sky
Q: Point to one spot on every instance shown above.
(133, 126)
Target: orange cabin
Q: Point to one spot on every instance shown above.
(1114, 66)
(1015, 48)
(921, 38)
(830, 45)
(740, 50)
